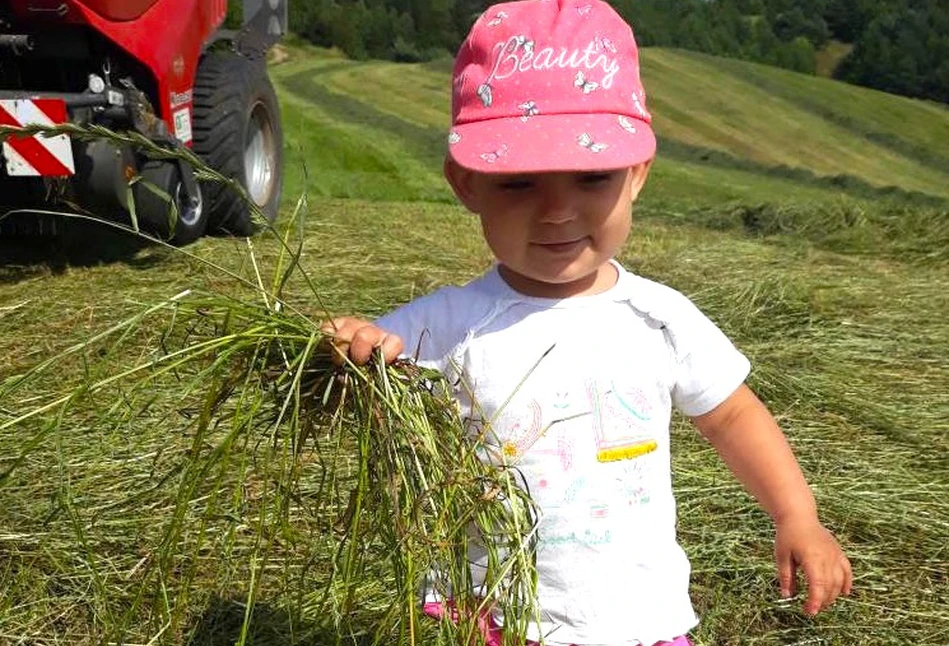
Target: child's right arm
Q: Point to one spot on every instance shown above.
(358, 339)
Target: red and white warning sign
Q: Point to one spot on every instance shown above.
(36, 155)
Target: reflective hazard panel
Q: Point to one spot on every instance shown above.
(36, 155)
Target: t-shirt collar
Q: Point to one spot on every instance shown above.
(618, 292)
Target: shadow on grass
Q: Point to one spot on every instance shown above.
(223, 619)
(30, 247)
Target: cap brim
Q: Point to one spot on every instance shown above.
(550, 143)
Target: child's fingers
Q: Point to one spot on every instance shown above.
(343, 328)
(819, 595)
(338, 333)
(359, 339)
(787, 579)
(815, 550)
(848, 577)
(820, 587)
(367, 339)
(825, 582)
(363, 343)
(391, 347)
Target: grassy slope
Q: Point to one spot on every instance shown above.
(849, 350)
(780, 118)
(918, 129)
(759, 115)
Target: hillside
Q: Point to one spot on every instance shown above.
(375, 129)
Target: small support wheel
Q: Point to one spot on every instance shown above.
(163, 207)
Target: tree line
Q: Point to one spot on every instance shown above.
(899, 46)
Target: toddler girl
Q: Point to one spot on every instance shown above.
(570, 362)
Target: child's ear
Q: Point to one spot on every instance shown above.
(460, 180)
(637, 179)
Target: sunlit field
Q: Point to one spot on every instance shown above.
(804, 216)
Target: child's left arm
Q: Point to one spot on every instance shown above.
(747, 437)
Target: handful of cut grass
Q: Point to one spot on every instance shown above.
(348, 492)
(236, 459)
(405, 483)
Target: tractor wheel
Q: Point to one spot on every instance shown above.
(162, 207)
(237, 131)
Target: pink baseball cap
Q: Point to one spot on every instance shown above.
(549, 85)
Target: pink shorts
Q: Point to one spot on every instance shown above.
(492, 632)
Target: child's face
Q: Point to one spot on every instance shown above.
(553, 233)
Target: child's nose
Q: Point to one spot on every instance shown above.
(558, 206)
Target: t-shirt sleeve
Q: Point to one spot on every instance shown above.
(707, 368)
(430, 327)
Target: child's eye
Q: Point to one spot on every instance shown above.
(594, 179)
(519, 184)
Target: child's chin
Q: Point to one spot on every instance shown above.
(557, 284)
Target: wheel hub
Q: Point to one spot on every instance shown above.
(260, 155)
(189, 209)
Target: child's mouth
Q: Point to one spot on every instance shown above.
(564, 246)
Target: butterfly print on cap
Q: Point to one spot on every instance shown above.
(601, 43)
(581, 82)
(498, 19)
(484, 93)
(587, 142)
(529, 108)
(492, 157)
(523, 43)
(627, 125)
(637, 102)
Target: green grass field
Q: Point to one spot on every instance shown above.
(760, 116)
(118, 526)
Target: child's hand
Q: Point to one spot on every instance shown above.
(807, 544)
(358, 339)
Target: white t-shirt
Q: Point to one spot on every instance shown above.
(578, 392)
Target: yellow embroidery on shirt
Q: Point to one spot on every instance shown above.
(509, 449)
(627, 452)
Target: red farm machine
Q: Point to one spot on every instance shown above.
(165, 70)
